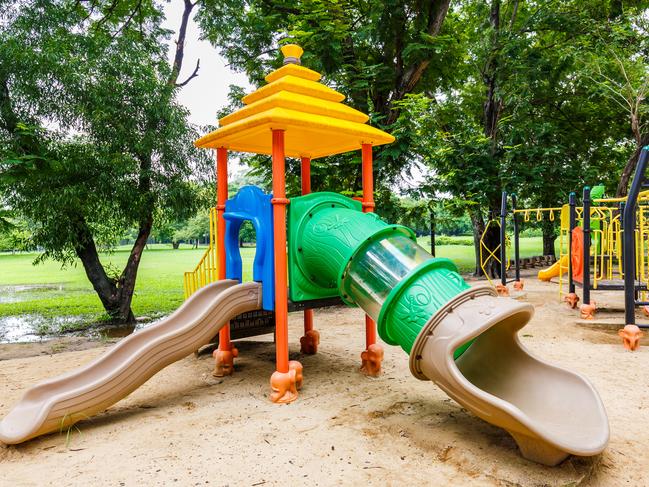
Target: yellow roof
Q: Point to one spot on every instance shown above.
(315, 122)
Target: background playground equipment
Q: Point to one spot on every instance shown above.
(596, 230)
(460, 337)
(499, 254)
(557, 269)
(601, 254)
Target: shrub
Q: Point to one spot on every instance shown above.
(447, 240)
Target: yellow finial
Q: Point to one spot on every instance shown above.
(292, 53)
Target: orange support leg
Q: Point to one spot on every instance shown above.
(287, 379)
(225, 354)
(311, 338)
(372, 356)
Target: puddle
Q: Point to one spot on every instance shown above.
(116, 331)
(121, 331)
(33, 328)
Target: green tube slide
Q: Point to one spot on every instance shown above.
(369, 263)
(462, 338)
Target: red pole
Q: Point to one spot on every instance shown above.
(224, 356)
(368, 207)
(305, 174)
(221, 198)
(281, 280)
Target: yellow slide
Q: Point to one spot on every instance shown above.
(553, 271)
(57, 403)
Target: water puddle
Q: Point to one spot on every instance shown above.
(15, 329)
(33, 328)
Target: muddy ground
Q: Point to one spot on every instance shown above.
(186, 427)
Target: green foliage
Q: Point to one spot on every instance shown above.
(15, 235)
(195, 229)
(247, 233)
(447, 240)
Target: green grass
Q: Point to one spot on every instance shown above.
(463, 255)
(159, 287)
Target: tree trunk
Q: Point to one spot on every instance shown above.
(110, 295)
(549, 236)
(175, 245)
(478, 227)
(629, 168)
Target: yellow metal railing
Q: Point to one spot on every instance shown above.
(206, 271)
(607, 240)
(486, 254)
(539, 213)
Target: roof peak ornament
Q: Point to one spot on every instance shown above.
(292, 53)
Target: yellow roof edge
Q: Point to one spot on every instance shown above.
(283, 119)
(298, 102)
(293, 70)
(294, 84)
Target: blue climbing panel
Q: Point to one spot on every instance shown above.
(251, 203)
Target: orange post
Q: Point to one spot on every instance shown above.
(373, 354)
(311, 339)
(284, 381)
(305, 173)
(224, 356)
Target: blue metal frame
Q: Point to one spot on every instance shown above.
(251, 204)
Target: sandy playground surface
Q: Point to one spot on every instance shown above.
(185, 427)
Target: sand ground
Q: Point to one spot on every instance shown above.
(185, 427)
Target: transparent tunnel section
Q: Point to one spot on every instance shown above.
(374, 272)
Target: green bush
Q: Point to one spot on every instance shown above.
(532, 232)
(449, 240)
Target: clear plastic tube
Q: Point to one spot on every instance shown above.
(375, 272)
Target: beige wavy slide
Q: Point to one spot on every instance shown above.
(57, 403)
(549, 411)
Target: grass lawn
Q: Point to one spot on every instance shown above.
(464, 258)
(50, 291)
(67, 291)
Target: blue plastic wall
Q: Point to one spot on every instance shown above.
(252, 204)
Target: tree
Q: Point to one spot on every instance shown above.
(92, 141)
(14, 234)
(519, 114)
(194, 229)
(617, 66)
(375, 52)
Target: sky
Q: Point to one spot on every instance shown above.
(206, 94)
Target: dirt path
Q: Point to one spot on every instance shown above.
(345, 429)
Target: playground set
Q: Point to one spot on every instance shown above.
(322, 248)
(595, 251)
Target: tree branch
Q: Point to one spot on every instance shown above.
(180, 46)
(130, 18)
(192, 76)
(513, 17)
(413, 74)
(7, 116)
